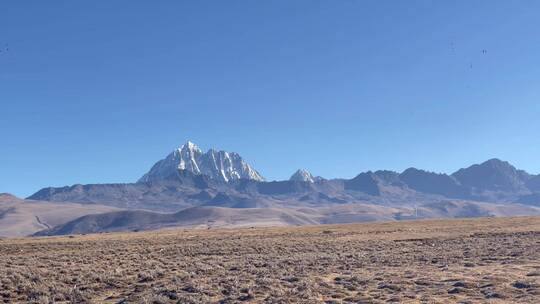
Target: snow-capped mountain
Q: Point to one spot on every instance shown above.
(219, 165)
(302, 175)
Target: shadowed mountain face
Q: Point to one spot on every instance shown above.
(320, 197)
(493, 175)
(237, 201)
(533, 183)
(389, 178)
(377, 183)
(364, 182)
(284, 187)
(435, 183)
(530, 199)
(180, 189)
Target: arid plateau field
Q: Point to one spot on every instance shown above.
(490, 260)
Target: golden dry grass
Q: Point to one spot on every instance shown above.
(448, 261)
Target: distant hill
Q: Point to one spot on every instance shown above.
(23, 217)
(9, 198)
(197, 217)
(224, 217)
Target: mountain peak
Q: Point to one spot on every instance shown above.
(493, 174)
(302, 175)
(495, 162)
(190, 146)
(218, 165)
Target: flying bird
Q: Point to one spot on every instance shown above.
(484, 51)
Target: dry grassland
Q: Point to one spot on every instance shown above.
(447, 261)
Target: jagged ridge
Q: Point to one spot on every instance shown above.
(219, 165)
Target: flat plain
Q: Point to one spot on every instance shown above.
(489, 260)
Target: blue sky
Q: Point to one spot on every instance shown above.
(98, 91)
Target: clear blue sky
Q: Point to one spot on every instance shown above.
(98, 91)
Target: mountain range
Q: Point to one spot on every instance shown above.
(223, 190)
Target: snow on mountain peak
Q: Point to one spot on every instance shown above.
(303, 176)
(219, 165)
(190, 145)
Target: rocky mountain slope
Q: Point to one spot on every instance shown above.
(219, 165)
